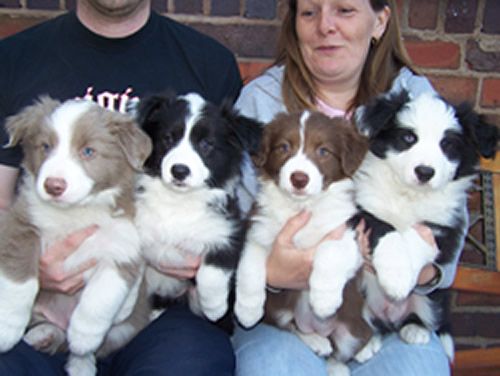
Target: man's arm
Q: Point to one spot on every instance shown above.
(8, 178)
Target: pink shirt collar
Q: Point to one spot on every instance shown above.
(329, 110)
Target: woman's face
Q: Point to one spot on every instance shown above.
(335, 35)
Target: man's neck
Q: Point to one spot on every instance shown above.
(111, 25)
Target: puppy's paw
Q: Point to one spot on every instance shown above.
(214, 310)
(45, 337)
(10, 336)
(415, 334)
(370, 349)
(395, 275)
(81, 365)
(337, 368)
(319, 344)
(83, 342)
(325, 302)
(250, 310)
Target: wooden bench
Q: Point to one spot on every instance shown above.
(483, 279)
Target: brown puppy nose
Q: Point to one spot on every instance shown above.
(55, 186)
(299, 179)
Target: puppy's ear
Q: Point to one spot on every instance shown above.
(379, 114)
(483, 135)
(149, 107)
(133, 141)
(354, 149)
(24, 124)
(248, 131)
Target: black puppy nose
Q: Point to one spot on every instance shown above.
(299, 179)
(424, 173)
(180, 171)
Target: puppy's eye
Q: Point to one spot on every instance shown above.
(322, 152)
(168, 139)
(205, 146)
(409, 138)
(87, 153)
(449, 146)
(282, 148)
(45, 148)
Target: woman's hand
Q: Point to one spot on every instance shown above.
(289, 267)
(187, 271)
(51, 267)
(429, 271)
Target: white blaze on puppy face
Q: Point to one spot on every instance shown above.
(62, 172)
(183, 168)
(429, 119)
(301, 165)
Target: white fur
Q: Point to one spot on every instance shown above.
(62, 163)
(317, 343)
(369, 350)
(213, 290)
(81, 365)
(167, 237)
(15, 317)
(101, 300)
(415, 334)
(107, 297)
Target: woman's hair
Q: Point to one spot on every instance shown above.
(385, 58)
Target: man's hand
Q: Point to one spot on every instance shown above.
(51, 268)
(187, 271)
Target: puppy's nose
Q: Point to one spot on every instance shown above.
(55, 186)
(424, 173)
(180, 171)
(299, 179)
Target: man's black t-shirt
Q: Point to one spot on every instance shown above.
(63, 59)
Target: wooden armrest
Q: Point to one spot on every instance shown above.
(477, 280)
(477, 359)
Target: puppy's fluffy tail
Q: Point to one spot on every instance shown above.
(448, 345)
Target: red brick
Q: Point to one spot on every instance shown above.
(454, 88)
(490, 95)
(434, 54)
(251, 69)
(423, 14)
(11, 25)
(473, 299)
(470, 324)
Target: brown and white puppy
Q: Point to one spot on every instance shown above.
(80, 162)
(306, 162)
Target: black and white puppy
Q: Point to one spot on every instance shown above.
(186, 203)
(423, 158)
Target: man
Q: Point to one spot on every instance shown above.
(114, 52)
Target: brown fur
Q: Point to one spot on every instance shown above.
(121, 148)
(344, 151)
(347, 148)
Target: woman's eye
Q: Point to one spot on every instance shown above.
(346, 11)
(87, 152)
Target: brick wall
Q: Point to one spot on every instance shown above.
(456, 43)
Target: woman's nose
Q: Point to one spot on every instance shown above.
(327, 23)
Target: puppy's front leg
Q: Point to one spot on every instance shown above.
(251, 284)
(335, 263)
(101, 300)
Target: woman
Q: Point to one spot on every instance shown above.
(334, 55)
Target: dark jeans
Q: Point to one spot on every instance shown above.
(178, 343)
